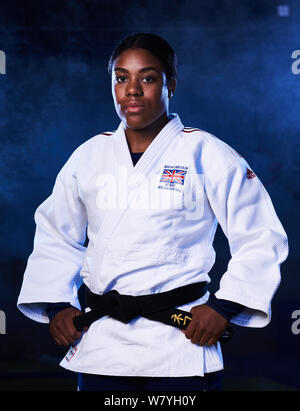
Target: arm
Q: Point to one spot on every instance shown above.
(52, 272)
(258, 245)
(227, 309)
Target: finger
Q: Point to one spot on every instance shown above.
(61, 340)
(197, 336)
(206, 339)
(69, 339)
(62, 336)
(67, 327)
(71, 333)
(189, 332)
(57, 335)
(211, 341)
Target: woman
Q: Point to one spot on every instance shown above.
(151, 195)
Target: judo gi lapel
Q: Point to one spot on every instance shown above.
(144, 167)
(150, 158)
(154, 151)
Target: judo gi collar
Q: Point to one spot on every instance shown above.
(154, 151)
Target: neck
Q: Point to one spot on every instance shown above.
(139, 139)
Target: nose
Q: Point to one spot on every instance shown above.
(134, 88)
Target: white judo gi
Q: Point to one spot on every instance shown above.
(151, 229)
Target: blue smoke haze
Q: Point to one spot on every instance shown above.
(235, 81)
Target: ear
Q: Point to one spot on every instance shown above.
(172, 87)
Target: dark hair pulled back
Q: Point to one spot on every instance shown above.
(156, 45)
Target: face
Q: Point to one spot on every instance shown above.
(140, 89)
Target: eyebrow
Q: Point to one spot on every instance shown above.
(141, 70)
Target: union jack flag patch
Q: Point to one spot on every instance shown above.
(175, 176)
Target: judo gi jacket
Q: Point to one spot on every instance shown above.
(151, 229)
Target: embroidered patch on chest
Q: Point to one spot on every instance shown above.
(173, 178)
(174, 174)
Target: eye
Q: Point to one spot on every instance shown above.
(148, 79)
(120, 79)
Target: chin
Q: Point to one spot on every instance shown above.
(136, 123)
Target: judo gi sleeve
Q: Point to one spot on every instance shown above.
(54, 308)
(224, 307)
(53, 269)
(258, 243)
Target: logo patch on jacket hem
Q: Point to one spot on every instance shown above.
(71, 353)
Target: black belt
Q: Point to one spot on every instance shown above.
(156, 307)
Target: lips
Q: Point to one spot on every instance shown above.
(133, 107)
(133, 104)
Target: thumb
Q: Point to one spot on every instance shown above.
(77, 313)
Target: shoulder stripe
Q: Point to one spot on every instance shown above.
(107, 133)
(250, 174)
(190, 129)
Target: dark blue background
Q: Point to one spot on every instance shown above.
(235, 81)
